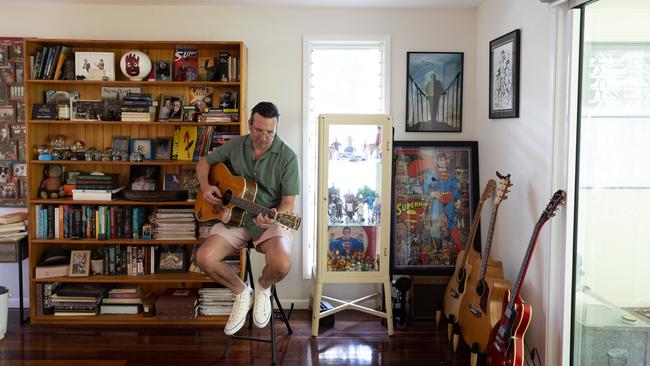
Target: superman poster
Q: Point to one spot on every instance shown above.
(435, 191)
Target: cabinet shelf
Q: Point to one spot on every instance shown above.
(115, 241)
(180, 277)
(110, 162)
(135, 83)
(120, 123)
(126, 319)
(116, 202)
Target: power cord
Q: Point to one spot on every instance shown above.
(533, 355)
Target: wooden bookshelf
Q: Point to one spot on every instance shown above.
(98, 134)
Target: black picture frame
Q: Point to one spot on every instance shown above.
(171, 258)
(420, 243)
(504, 76)
(163, 148)
(144, 178)
(434, 76)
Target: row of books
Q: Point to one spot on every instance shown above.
(48, 63)
(89, 221)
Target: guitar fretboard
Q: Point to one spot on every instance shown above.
(250, 206)
(488, 243)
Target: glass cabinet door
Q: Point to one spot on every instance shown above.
(352, 167)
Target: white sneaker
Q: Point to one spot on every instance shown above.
(262, 308)
(243, 303)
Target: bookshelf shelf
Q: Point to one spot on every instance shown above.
(116, 202)
(99, 135)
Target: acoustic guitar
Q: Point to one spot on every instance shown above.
(238, 196)
(506, 345)
(457, 283)
(481, 305)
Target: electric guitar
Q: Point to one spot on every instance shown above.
(457, 284)
(481, 305)
(506, 345)
(238, 196)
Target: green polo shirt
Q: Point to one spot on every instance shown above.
(276, 172)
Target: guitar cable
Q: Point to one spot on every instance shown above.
(533, 355)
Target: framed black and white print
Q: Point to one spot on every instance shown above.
(504, 76)
(434, 92)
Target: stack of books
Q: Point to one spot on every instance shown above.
(177, 304)
(78, 299)
(100, 187)
(125, 300)
(173, 224)
(215, 301)
(13, 225)
(138, 107)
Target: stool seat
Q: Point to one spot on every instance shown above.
(248, 276)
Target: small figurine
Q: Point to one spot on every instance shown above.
(45, 152)
(51, 186)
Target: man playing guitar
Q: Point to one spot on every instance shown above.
(264, 158)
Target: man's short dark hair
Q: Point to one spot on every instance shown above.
(266, 110)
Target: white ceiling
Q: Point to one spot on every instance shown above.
(305, 3)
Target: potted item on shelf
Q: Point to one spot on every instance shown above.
(97, 262)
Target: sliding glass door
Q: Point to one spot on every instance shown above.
(611, 304)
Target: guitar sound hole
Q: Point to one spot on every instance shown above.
(480, 287)
(226, 197)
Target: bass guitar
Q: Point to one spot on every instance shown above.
(238, 196)
(481, 305)
(457, 283)
(506, 345)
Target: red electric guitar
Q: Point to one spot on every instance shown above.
(506, 345)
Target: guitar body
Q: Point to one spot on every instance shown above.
(241, 187)
(509, 351)
(457, 285)
(480, 311)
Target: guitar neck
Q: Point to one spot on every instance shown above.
(488, 243)
(472, 232)
(524, 266)
(252, 207)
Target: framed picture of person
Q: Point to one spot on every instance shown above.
(79, 263)
(120, 143)
(162, 70)
(504, 76)
(435, 193)
(94, 65)
(171, 108)
(143, 146)
(144, 178)
(434, 92)
(163, 148)
(171, 258)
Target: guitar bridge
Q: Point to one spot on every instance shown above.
(454, 294)
(476, 311)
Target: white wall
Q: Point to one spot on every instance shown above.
(522, 147)
(274, 40)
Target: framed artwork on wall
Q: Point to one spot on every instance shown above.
(504, 76)
(434, 91)
(435, 192)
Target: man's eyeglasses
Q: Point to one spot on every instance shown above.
(259, 132)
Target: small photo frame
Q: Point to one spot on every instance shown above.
(172, 182)
(19, 169)
(79, 263)
(83, 110)
(120, 143)
(143, 146)
(147, 231)
(94, 66)
(7, 74)
(144, 177)
(171, 258)
(504, 76)
(162, 70)
(71, 176)
(171, 108)
(7, 113)
(163, 148)
(18, 131)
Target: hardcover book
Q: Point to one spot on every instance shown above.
(186, 64)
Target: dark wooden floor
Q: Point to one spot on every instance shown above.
(355, 339)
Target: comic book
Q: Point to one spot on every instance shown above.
(184, 142)
(186, 64)
(201, 98)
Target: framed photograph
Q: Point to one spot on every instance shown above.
(7, 113)
(23, 192)
(171, 258)
(120, 143)
(434, 91)
(19, 169)
(171, 108)
(162, 70)
(144, 178)
(163, 148)
(143, 146)
(84, 110)
(18, 131)
(79, 263)
(171, 182)
(7, 74)
(94, 65)
(504, 76)
(435, 193)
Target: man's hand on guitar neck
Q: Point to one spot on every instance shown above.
(265, 222)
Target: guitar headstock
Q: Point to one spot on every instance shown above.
(489, 188)
(558, 199)
(290, 221)
(504, 188)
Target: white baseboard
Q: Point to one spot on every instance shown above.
(302, 304)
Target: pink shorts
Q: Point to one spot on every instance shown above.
(238, 237)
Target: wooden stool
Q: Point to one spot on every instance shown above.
(248, 276)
